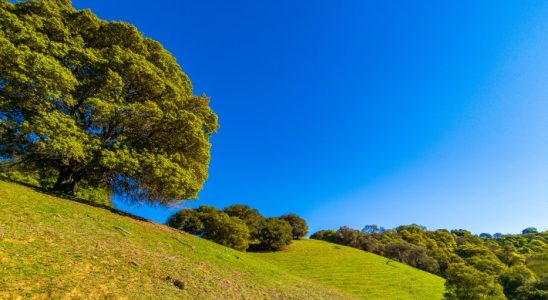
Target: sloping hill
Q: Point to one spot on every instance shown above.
(55, 248)
(360, 273)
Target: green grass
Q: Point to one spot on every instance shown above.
(357, 272)
(53, 248)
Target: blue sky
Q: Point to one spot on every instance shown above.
(366, 112)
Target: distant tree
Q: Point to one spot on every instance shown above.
(529, 230)
(349, 237)
(534, 290)
(461, 232)
(397, 250)
(465, 282)
(326, 235)
(83, 100)
(369, 243)
(298, 225)
(415, 228)
(515, 277)
(484, 235)
(371, 229)
(497, 235)
(509, 255)
(250, 216)
(418, 258)
(188, 220)
(274, 234)
(487, 263)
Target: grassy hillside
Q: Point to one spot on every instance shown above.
(360, 273)
(55, 248)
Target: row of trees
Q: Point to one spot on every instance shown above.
(476, 267)
(240, 227)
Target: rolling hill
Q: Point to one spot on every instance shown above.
(356, 272)
(56, 248)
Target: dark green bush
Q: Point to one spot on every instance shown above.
(274, 234)
(212, 224)
(328, 235)
(239, 227)
(188, 220)
(225, 230)
(250, 216)
(299, 228)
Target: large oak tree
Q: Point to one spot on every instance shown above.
(94, 102)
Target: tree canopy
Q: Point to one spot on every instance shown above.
(274, 234)
(299, 228)
(91, 102)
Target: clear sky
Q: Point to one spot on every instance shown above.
(366, 112)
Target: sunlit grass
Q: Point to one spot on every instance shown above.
(56, 248)
(53, 248)
(357, 272)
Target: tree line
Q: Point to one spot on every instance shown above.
(240, 227)
(510, 266)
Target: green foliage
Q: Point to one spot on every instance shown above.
(514, 278)
(465, 282)
(95, 194)
(529, 230)
(461, 232)
(30, 178)
(225, 230)
(327, 235)
(212, 224)
(412, 255)
(298, 225)
(538, 262)
(397, 250)
(485, 235)
(187, 220)
(237, 226)
(250, 216)
(533, 290)
(274, 234)
(86, 100)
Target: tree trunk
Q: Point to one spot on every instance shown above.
(66, 180)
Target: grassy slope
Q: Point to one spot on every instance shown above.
(360, 273)
(54, 248)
